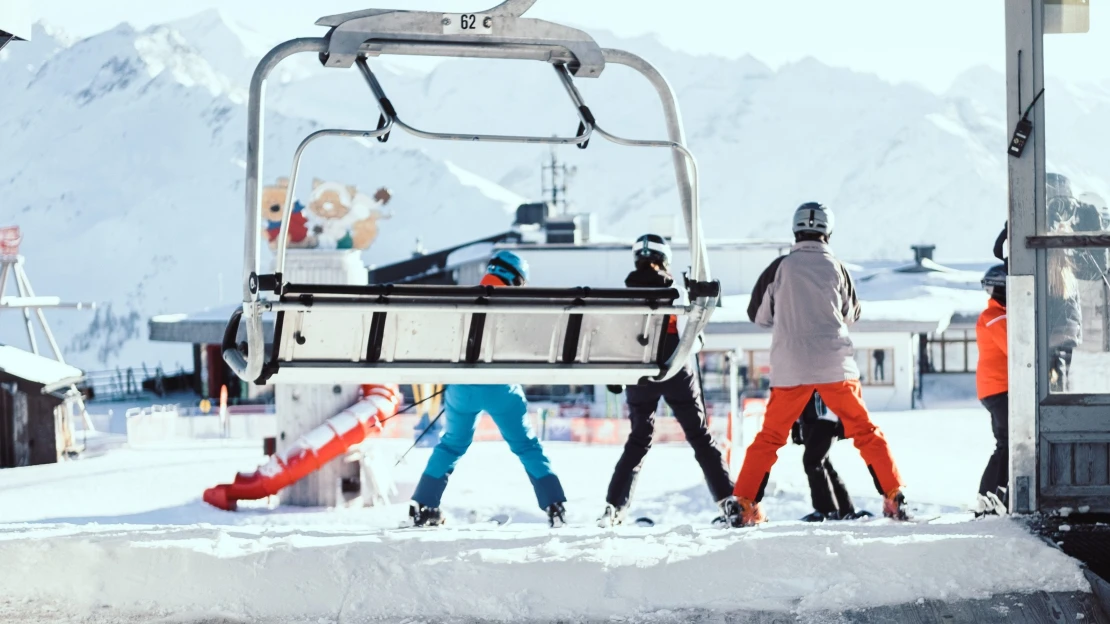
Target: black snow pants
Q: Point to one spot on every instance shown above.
(997, 474)
(683, 394)
(826, 489)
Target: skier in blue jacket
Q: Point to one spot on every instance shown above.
(507, 407)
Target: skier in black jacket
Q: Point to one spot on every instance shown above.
(681, 392)
(818, 429)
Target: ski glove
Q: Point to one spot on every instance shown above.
(615, 389)
(796, 432)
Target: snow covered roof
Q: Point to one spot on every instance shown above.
(36, 368)
(915, 316)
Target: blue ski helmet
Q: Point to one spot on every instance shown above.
(509, 267)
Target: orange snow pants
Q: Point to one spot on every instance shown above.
(844, 399)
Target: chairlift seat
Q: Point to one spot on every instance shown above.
(468, 334)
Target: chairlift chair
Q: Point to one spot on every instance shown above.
(385, 333)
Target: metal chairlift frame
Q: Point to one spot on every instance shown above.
(499, 33)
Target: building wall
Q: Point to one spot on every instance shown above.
(899, 366)
(27, 424)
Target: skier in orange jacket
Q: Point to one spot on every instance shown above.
(992, 381)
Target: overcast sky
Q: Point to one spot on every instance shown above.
(928, 41)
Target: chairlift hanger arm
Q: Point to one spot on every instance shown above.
(509, 8)
(501, 25)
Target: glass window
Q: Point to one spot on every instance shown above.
(876, 366)
(953, 352)
(1077, 185)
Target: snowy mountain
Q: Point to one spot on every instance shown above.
(913, 165)
(124, 168)
(124, 159)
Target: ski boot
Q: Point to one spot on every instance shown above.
(894, 506)
(990, 504)
(741, 512)
(857, 515)
(611, 517)
(556, 515)
(422, 516)
(817, 516)
(730, 513)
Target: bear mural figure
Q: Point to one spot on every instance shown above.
(342, 218)
(273, 208)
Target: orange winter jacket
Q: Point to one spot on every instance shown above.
(992, 376)
(492, 280)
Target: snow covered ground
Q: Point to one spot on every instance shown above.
(124, 537)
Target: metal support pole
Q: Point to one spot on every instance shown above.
(736, 444)
(1025, 77)
(26, 311)
(4, 270)
(21, 275)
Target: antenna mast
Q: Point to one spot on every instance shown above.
(555, 177)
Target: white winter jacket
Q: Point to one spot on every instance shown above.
(808, 300)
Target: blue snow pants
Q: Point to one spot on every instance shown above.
(508, 408)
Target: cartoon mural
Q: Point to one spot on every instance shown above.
(273, 207)
(338, 216)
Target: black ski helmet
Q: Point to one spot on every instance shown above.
(653, 247)
(994, 282)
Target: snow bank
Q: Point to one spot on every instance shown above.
(520, 573)
(125, 537)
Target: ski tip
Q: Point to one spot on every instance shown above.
(645, 522)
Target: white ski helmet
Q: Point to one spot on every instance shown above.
(653, 246)
(814, 217)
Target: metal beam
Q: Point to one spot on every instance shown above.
(21, 287)
(21, 275)
(1026, 335)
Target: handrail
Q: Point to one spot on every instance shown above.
(390, 114)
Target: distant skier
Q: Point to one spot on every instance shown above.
(809, 299)
(880, 364)
(681, 392)
(818, 429)
(508, 408)
(992, 380)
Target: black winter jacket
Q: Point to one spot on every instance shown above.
(648, 278)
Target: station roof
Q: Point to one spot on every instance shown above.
(37, 369)
(205, 327)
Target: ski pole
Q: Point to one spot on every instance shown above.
(421, 436)
(409, 407)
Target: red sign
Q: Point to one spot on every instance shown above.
(10, 238)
